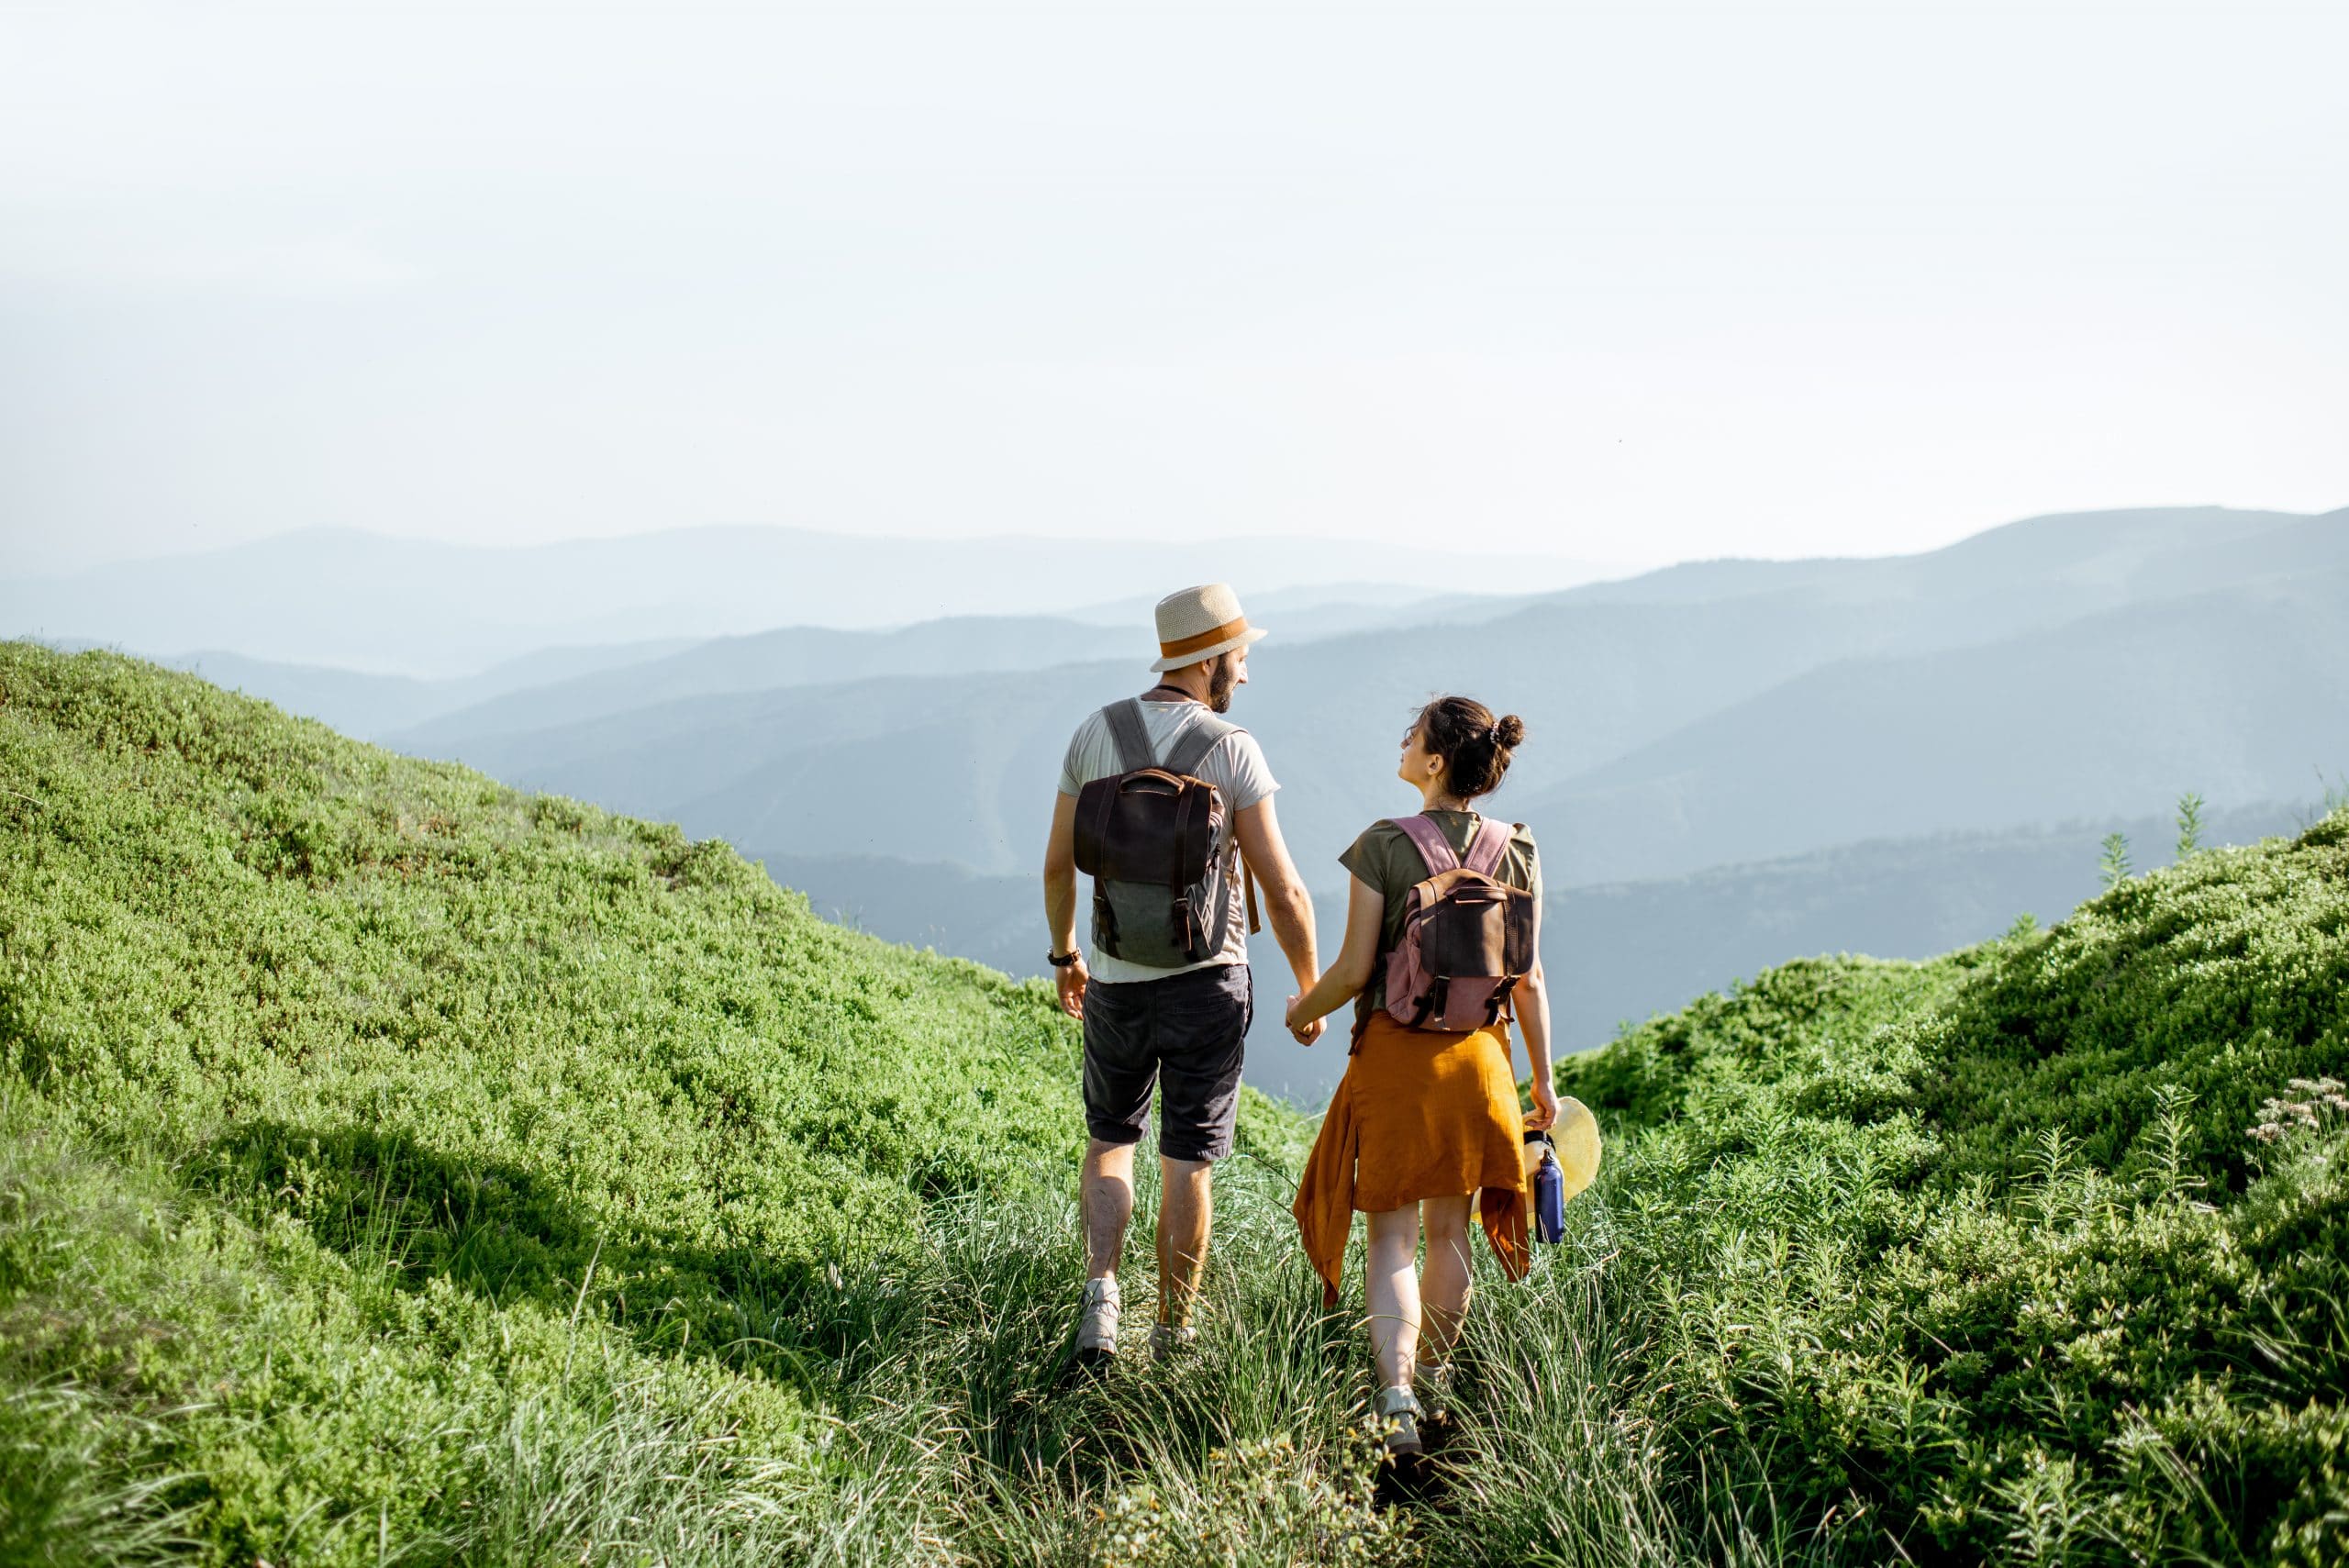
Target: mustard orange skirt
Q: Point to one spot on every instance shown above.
(1419, 1114)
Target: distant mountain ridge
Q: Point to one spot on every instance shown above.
(810, 656)
(772, 660)
(1634, 697)
(370, 706)
(422, 608)
(2241, 693)
(569, 684)
(2132, 553)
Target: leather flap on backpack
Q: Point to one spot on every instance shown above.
(1146, 826)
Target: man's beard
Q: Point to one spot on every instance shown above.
(1222, 680)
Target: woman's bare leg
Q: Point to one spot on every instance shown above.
(1393, 1293)
(1445, 1283)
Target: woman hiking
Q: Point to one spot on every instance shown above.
(1426, 1118)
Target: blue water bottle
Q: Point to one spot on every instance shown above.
(1549, 1194)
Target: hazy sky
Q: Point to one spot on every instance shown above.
(1632, 284)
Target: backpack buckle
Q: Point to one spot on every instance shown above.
(1188, 930)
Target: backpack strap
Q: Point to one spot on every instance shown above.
(1131, 735)
(1183, 872)
(1191, 748)
(1484, 852)
(1433, 848)
(1491, 843)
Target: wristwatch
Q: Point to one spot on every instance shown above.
(1062, 960)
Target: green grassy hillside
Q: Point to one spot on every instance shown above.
(397, 1167)
(363, 1116)
(2039, 1252)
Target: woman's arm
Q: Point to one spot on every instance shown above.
(1342, 981)
(1533, 1018)
(1532, 996)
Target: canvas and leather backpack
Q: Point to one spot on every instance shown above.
(1468, 937)
(1148, 836)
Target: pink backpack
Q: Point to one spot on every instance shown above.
(1468, 937)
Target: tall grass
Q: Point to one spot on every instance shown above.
(978, 1439)
(952, 1424)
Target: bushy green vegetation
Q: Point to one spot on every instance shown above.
(1985, 1255)
(396, 1168)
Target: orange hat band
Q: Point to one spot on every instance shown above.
(1223, 633)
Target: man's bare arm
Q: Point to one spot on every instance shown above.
(1286, 905)
(1060, 903)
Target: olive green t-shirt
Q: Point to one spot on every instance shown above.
(1385, 858)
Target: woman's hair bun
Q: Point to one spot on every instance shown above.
(1473, 744)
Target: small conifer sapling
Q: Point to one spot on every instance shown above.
(2189, 823)
(2114, 866)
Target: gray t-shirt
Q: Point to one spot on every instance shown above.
(1237, 769)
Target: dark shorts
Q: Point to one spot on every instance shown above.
(1186, 1034)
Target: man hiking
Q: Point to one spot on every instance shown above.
(1159, 799)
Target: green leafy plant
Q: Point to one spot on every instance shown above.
(2173, 1144)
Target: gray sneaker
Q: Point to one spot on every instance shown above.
(1399, 1413)
(1096, 1330)
(1167, 1341)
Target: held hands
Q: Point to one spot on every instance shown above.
(1305, 1034)
(1070, 982)
(1545, 1104)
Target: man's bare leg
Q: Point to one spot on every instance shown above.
(1108, 1194)
(1185, 1215)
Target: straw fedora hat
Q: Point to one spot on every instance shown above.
(1200, 623)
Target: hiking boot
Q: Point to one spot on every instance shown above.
(1398, 1413)
(1167, 1341)
(1097, 1331)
